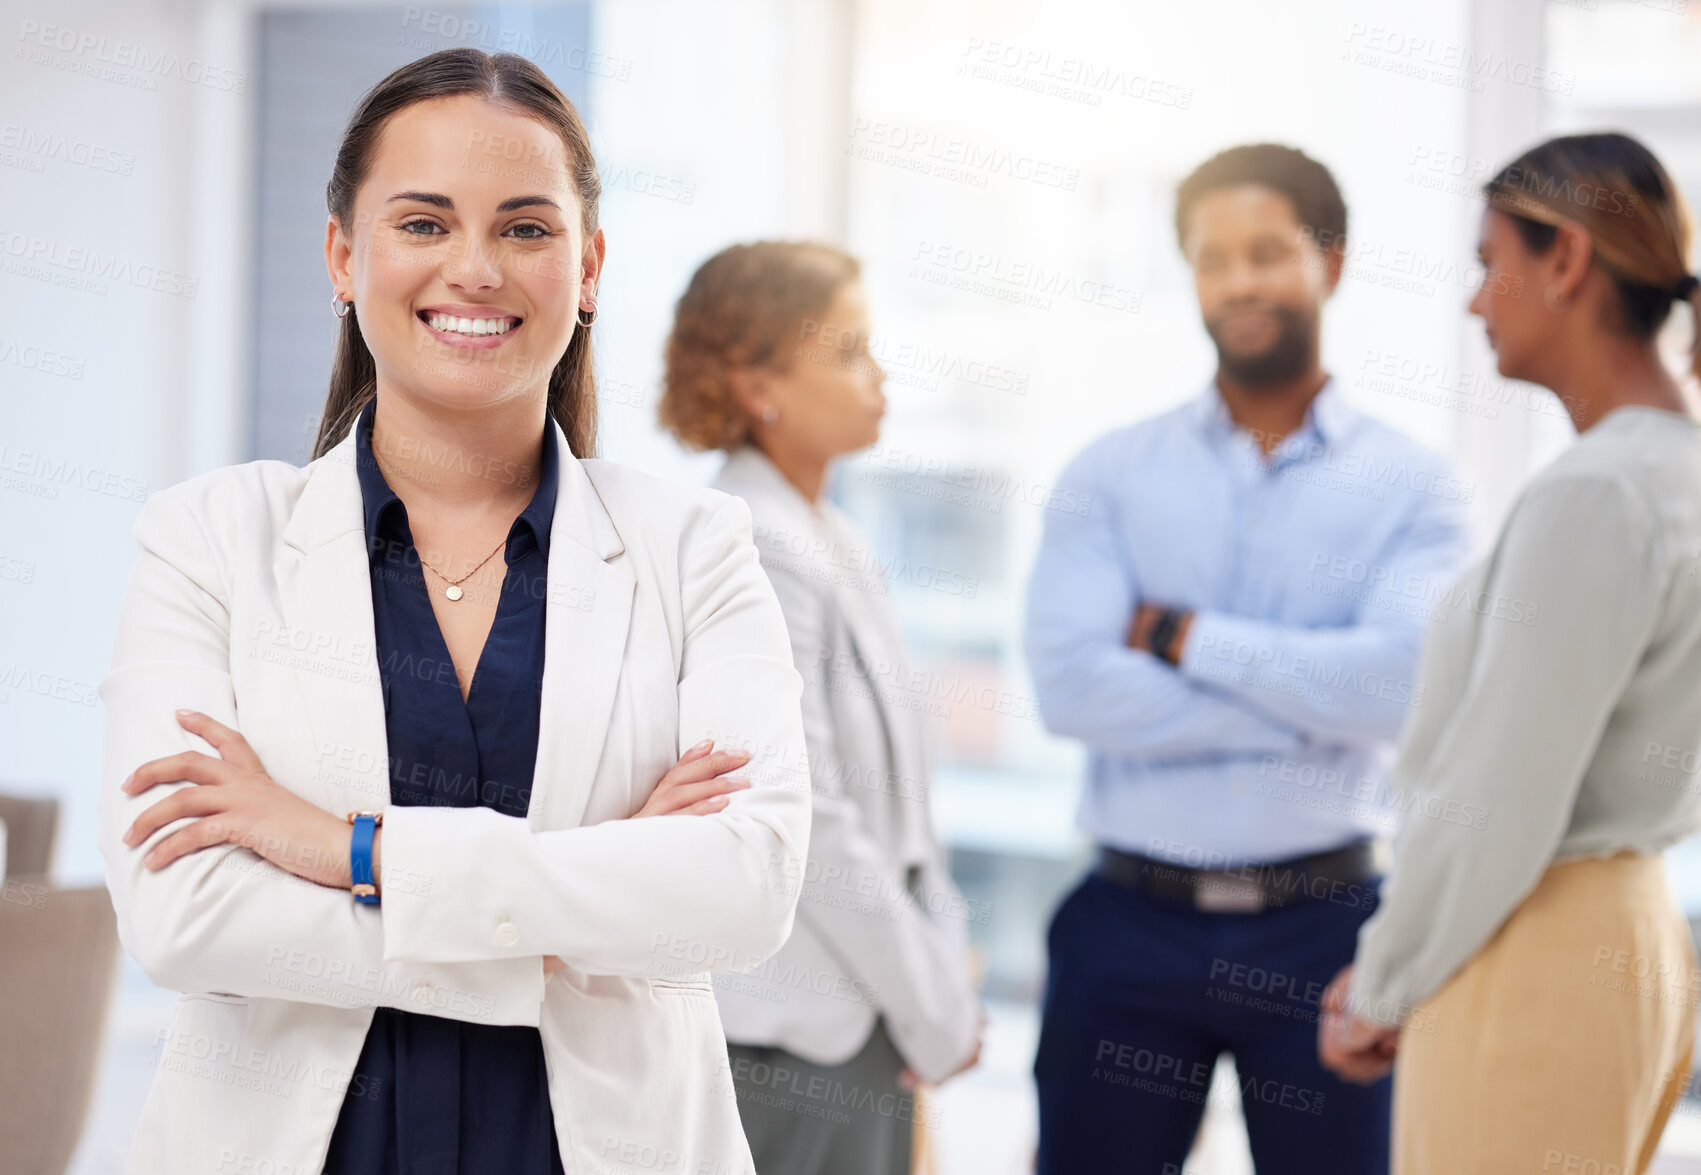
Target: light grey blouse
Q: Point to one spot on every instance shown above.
(1560, 711)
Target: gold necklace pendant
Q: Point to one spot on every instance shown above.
(453, 590)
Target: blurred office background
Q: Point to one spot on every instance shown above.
(1004, 169)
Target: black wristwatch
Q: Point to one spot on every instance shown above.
(1163, 633)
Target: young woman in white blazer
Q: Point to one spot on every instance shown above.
(252, 703)
(768, 360)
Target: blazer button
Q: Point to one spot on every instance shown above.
(507, 934)
(425, 993)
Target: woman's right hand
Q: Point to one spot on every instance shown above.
(909, 1079)
(695, 786)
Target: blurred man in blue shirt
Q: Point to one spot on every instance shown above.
(1232, 628)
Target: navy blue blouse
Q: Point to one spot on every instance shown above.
(434, 1096)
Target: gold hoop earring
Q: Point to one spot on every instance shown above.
(1547, 297)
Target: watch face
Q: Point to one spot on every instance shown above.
(1163, 633)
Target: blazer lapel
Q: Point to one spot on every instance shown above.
(325, 591)
(873, 631)
(586, 618)
(781, 515)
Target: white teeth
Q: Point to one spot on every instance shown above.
(471, 326)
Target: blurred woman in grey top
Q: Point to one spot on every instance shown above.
(769, 361)
(1535, 975)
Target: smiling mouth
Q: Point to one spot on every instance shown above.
(472, 328)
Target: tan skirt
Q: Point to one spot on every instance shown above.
(1564, 1044)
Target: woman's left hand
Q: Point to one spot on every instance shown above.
(238, 803)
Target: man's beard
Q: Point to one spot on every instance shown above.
(1293, 352)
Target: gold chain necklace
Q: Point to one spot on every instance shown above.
(453, 591)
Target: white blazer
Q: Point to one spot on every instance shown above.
(251, 601)
(882, 930)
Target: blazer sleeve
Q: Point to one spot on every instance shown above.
(224, 919)
(915, 964)
(653, 896)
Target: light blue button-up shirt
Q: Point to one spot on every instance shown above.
(1312, 573)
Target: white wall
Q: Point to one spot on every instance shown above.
(120, 217)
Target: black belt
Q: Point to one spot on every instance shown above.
(1341, 875)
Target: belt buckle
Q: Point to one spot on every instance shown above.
(1227, 894)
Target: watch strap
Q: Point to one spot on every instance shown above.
(360, 856)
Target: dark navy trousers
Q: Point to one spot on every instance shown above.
(1144, 993)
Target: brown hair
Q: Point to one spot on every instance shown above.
(741, 308)
(1638, 223)
(511, 81)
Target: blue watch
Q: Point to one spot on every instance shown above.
(360, 855)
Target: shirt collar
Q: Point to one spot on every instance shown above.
(1329, 413)
(749, 470)
(540, 511)
(375, 492)
(1326, 417)
(748, 463)
(379, 499)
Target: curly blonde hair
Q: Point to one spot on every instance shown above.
(741, 308)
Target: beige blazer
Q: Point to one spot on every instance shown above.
(250, 600)
(881, 928)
